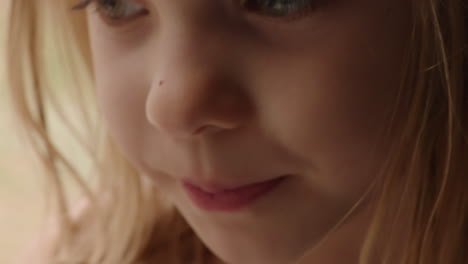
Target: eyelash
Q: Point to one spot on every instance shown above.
(82, 4)
(299, 8)
(101, 9)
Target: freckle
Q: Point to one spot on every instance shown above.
(161, 82)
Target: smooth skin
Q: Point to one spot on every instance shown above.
(207, 91)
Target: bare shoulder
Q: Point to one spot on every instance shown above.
(39, 249)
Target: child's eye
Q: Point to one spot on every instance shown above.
(117, 10)
(120, 9)
(280, 8)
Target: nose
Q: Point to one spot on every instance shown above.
(193, 93)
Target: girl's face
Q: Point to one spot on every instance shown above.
(227, 93)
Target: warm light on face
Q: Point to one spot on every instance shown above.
(271, 89)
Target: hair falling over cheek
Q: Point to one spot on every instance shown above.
(126, 221)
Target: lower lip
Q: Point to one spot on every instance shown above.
(230, 200)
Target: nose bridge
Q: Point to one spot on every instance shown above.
(191, 30)
(192, 90)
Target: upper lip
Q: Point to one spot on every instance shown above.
(215, 187)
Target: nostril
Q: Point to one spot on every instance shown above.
(200, 130)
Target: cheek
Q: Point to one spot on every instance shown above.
(328, 109)
(121, 94)
(331, 131)
(122, 107)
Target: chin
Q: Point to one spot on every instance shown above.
(252, 250)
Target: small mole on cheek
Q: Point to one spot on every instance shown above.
(161, 83)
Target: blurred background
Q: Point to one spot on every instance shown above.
(22, 189)
(21, 200)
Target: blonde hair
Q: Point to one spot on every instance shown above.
(427, 179)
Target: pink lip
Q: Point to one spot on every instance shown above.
(230, 200)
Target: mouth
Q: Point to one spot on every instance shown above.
(230, 199)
